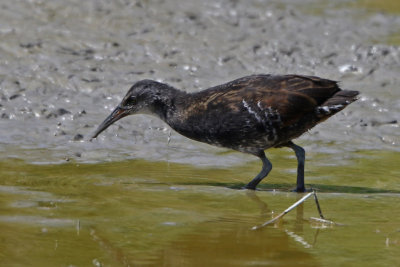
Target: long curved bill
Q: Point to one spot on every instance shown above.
(117, 114)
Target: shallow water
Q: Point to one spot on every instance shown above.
(138, 212)
(143, 195)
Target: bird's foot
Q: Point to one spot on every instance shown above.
(301, 190)
(249, 187)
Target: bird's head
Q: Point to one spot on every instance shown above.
(142, 98)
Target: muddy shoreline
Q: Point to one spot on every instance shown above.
(65, 64)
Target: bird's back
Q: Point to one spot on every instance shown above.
(260, 111)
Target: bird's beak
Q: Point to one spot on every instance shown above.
(117, 114)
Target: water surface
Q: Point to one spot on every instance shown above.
(157, 213)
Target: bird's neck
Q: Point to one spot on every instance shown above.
(168, 103)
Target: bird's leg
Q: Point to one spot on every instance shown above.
(301, 156)
(266, 168)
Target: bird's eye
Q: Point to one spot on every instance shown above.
(132, 100)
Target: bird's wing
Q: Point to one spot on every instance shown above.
(316, 88)
(283, 107)
(290, 96)
(263, 96)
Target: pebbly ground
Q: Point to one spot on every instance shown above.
(65, 64)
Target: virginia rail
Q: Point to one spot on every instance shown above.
(249, 114)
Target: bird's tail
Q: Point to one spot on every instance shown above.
(336, 103)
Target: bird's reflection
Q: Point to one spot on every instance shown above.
(265, 211)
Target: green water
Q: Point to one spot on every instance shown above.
(389, 6)
(159, 213)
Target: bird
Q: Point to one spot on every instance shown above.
(249, 114)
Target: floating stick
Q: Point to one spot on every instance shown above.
(317, 203)
(284, 212)
(322, 219)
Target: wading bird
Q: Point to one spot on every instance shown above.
(250, 114)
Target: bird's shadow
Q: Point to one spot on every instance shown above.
(318, 187)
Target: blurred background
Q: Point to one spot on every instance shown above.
(143, 195)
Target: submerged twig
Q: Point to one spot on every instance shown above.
(322, 219)
(285, 211)
(317, 203)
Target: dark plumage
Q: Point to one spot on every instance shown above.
(249, 114)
